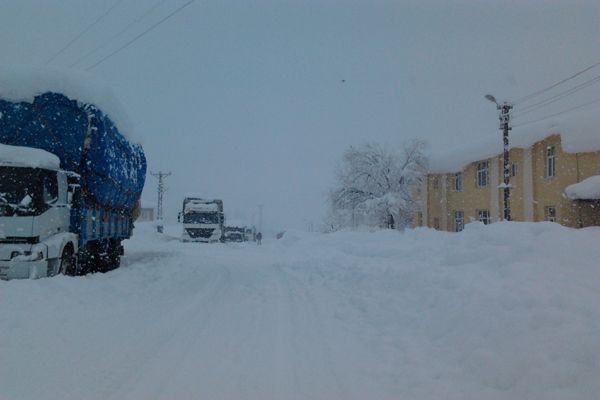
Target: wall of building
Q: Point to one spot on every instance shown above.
(146, 214)
(532, 190)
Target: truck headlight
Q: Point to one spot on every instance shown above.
(18, 253)
(26, 255)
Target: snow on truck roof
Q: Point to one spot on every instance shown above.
(19, 156)
(235, 223)
(23, 83)
(579, 132)
(201, 206)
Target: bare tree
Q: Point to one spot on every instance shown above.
(376, 186)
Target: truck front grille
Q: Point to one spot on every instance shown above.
(205, 233)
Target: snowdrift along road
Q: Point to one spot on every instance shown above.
(507, 311)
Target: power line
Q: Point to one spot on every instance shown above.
(558, 96)
(558, 113)
(83, 32)
(118, 34)
(529, 96)
(140, 35)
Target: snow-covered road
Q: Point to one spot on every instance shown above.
(499, 312)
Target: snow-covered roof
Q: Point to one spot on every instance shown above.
(580, 132)
(201, 206)
(235, 223)
(587, 189)
(19, 156)
(23, 83)
(202, 196)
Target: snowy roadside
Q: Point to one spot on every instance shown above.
(497, 312)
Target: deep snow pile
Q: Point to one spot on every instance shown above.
(578, 131)
(506, 311)
(24, 82)
(587, 189)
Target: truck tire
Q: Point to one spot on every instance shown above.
(114, 255)
(67, 262)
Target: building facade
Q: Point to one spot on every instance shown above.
(539, 176)
(146, 214)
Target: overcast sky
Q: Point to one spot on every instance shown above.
(255, 101)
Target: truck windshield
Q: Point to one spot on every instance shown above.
(200, 218)
(26, 191)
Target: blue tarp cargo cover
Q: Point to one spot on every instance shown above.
(112, 169)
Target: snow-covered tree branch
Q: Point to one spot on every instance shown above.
(376, 186)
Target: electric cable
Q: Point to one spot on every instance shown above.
(118, 34)
(558, 113)
(529, 96)
(129, 43)
(83, 32)
(557, 97)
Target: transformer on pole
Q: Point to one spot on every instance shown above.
(159, 202)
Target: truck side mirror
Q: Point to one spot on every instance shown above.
(73, 187)
(179, 216)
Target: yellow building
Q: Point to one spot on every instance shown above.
(541, 171)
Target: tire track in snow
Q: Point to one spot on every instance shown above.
(302, 309)
(162, 358)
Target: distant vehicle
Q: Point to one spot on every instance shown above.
(250, 234)
(202, 220)
(70, 185)
(234, 234)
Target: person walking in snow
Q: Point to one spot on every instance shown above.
(258, 238)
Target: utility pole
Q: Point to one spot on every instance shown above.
(260, 218)
(504, 125)
(159, 203)
(504, 116)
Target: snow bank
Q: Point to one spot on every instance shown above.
(587, 189)
(23, 83)
(28, 157)
(496, 312)
(579, 132)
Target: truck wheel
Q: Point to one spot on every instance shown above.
(114, 256)
(67, 262)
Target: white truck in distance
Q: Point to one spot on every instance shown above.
(202, 220)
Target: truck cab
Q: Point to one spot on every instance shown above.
(34, 214)
(202, 220)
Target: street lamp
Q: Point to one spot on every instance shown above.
(504, 115)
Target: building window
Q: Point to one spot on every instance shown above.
(483, 216)
(551, 214)
(459, 220)
(550, 161)
(436, 223)
(482, 173)
(513, 169)
(436, 182)
(458, 182)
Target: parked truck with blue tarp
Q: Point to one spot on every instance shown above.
(70, 185)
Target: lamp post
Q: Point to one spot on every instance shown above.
(504, 115)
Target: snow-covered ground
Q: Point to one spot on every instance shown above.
(507, 311)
